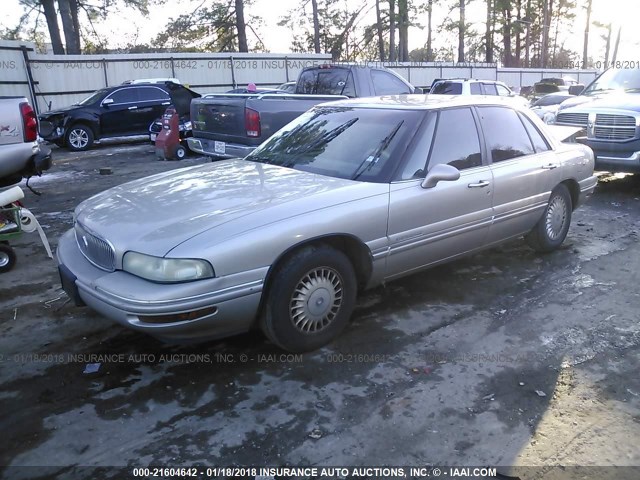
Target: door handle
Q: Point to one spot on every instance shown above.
(133, 108)
(550, 166)
(480, 184)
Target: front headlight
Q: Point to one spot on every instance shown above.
(166, 270)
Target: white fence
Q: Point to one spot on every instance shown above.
(53, 81)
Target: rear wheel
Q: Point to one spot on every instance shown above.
(79, 137)
(552, 228)
(310, 300)
(7, 258)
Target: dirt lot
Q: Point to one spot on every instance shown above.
(505, 358)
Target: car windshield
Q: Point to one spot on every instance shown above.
(447, 88)
(352, 143)
(94, 97)
(624, 80)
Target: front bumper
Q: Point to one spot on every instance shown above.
(231, 302)
(219, 149)
(587, 187)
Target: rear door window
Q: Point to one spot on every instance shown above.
(503, 91)
(152, 94)
(456, 141)
(385, 83)
(489, 89)
(326, 81)
(124, 95)
(504, 133)
(539, 142)
(447, 88)
(476, 89)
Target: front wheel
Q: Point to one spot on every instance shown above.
(7, 258)
(181, 152)
(310, 300)
(552, 228)
(79, 138)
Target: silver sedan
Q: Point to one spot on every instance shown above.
(349, 195)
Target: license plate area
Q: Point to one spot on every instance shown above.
(219, 147)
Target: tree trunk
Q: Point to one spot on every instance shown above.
(488, 35)
(527, 36)
(379, 29)
(429, 31)
(461, 33)
(615, 49)
(518, 60)
(73, 6)
(606, 54)
(585, 48)
(545, 34)
(392, 30)
(241, 27)
(403, 30)
(70, 35)
(50, 14)
(506, 34)
(316, 26)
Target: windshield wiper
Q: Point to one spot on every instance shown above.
(371, 160)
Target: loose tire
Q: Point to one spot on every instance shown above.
(181, 152)
(310, 299)
(552, 228)
(7, 258)
(79, 138)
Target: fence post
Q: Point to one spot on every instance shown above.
(173, 69)
(286, 67)
(27, 66)
(233, 73)
(104, 69)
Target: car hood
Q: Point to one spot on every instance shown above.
(154, 214)
(59, 111)
(617, 100)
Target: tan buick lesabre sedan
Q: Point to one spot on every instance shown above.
(349, 195)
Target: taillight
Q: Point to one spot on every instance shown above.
(252, 122)
(29, 122)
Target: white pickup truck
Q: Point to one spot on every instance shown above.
(21, 155)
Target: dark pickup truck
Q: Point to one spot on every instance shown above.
(233, 125)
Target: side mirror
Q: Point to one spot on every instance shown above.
(440, 173)
(418, 90)
(106, 102)
(576, 89)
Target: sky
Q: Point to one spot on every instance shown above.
(123, 26)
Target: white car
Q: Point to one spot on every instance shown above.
(465, 86)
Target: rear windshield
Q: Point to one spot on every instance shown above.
(447, 88)
(326, 81)
(362, 144)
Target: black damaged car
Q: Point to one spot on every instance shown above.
(124, 110)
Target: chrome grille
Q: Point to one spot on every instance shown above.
(614, 127)
(613, 133)
(577, 119)
(615, 120)
(95, 249)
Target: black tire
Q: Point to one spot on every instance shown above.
(330, 280)
(552, 228)
(181, 153)
(79, 138)
(7, 258)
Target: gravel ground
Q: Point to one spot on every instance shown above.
(507, 358)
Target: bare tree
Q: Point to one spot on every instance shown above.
(461, 31)
(403, 31)
(379, 29)
(488, 34)
(71, 36)
(316, 26)
(392, 30)
(615, 49)
(51, 16)
(241, 27)
(429, 30)
(585, 48)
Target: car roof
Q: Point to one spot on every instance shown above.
(424, 102)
